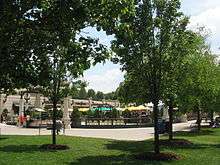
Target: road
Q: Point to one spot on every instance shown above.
(136, 134)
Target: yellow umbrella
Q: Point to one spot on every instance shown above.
(139, 108)
(83, 109)
(132, 108)
(143, 107)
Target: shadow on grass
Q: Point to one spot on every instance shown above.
(216, 146)
(132, 147)
(20, 148)
(3, 138)
(112, 159)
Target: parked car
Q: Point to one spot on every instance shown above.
(217, 119)
(216, 123)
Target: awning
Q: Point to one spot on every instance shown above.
(83, 109)
(102, 109)
(69, 109)
(38, 109)
(139, 108)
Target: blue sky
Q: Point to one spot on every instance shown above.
(106, 77)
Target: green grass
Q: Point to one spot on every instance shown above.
(23, 150)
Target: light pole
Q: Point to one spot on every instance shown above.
(21, 110)
(90, 103)
(26, 98)
(3, 99)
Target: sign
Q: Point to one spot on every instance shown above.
(102, 109)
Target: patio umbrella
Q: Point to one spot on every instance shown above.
(38, 109)
(83, 109)
(139, 108)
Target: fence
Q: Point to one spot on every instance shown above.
(114, 122)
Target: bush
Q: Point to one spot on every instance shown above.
(115, 113)
(89, 113)
(75, 117)
(126, 114)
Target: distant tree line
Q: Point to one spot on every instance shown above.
(82, 93)
(77, 90)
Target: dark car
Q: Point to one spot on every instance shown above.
(217, 119)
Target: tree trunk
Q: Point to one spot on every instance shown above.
(54, 120)
(156, 128)
(199, 119)
(170, 112)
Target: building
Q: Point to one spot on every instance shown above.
(15, 104)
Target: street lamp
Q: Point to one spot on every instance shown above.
(26, 98)
(3, 99)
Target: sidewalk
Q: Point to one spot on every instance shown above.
(135, 134)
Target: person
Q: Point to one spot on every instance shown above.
(216, 125)
(58, 126)
(1, 119)
(20, 120)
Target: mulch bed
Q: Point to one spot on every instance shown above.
(176, 143)
(53, 147)
(164, 156)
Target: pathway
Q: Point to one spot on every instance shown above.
(136, 134)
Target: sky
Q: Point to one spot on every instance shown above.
(107, 77)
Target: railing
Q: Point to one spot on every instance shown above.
(139, 121)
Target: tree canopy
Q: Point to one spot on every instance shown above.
(144, 47)
(43, 44)
(30, 30)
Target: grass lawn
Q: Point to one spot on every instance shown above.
(16, 150)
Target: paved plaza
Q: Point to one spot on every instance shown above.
(135, 134)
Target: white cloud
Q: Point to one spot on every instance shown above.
(205, 4)
(203, 12)
(106, 82)
(194, 7)
(211, 20)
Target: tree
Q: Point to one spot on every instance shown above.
(19, 66)
(91, 93)
(99, 95)
(132, 90)
(82, 93)
(71, 89)
(75, 117)
(110, 96)
(199, 88)
(187, 44)
(214, 103)
(47, 37)
(144, 47)
(114, 113)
